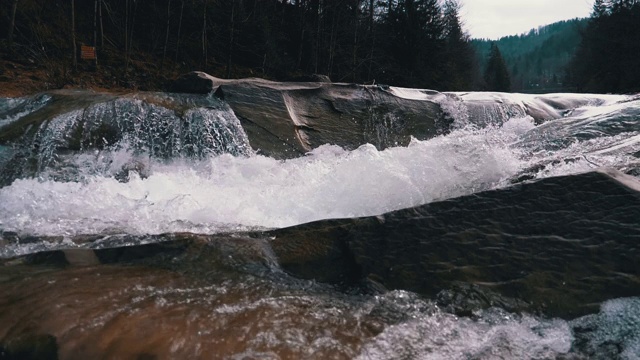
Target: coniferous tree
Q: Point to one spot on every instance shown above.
(533, 58)
(608, 59)
(459, 66)
(73, 35)
(414, 40)
(12, 23)
(416, 43)
(600, 8)
(496, 75)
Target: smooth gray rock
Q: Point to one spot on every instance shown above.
(285, 120)
(195, 82)
(559, 246)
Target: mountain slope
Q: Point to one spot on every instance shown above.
(537, 60)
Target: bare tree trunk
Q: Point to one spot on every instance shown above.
(166, 38)
(373, 38)
(230, 50)
(179, 30)
(126, 28)
(204, 36)
(332, 43)
(13, 20)
(303, 13)
(282, 15)
(133, 23)
(95, 29)
(101, 27)
(73, 34)
(316, 56)
(354, 60)
(95, 23)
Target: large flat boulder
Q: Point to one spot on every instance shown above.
(563, 245)
(559, 246)
(289, 119)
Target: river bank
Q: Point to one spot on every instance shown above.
(24, 76)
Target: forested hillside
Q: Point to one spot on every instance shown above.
(416, 43)
(608, 58)
(142, 44)
(537, 61)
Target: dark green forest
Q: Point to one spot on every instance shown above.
(537, 61)
(412, 43)
(608, 58)
(416, 43)
(496, 74)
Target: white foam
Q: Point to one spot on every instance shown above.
(226, 193)
(206, 196)
(616, 326)
(491, 334)
(570, 100)
(415, 94)
(592, 137)
(445, 336)
(12, 109)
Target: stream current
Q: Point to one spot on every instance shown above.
(192, 169)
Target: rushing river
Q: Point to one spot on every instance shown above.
(78, 198)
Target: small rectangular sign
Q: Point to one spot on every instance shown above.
(87, 52)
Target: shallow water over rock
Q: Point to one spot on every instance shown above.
(317, 220)
(472, 283)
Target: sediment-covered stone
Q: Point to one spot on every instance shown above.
(559, 246)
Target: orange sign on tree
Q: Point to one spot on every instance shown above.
(87, 52)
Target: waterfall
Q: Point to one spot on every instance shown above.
(145, 126)
(479, 209)
(13, 109)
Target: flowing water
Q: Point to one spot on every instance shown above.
(133, 167)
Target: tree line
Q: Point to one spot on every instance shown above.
(537, 61)
(608, 58)
(412, 43)
(415, 43)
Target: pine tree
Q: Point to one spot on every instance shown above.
(496, 76)
(460, 68)
(600, 8)
(12, 24)
(608, 59)
(415, 33)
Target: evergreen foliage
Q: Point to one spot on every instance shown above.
(416, 43)
(496, 75)
(538, 60)
(608, 58)
(462, 69)
(413, 43)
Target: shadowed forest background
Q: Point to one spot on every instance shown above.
(142, 44)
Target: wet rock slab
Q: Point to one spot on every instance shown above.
(189, 297)
(288, 119)
(285, 120)
(562, 245)
(557, 247)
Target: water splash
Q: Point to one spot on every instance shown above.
(202, 195)
(591, 137)
(614, 333)
(186, 179)
(14, 109)
(120, 176)
(141, 126)
(428, 333)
